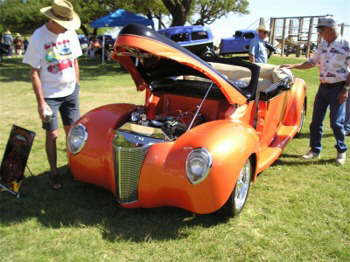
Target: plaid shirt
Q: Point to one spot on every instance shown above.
(333, 60)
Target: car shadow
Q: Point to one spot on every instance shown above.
(307, 135)
(282, 162)
(81, 205)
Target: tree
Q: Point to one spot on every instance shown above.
(202, 12)
(21, 17)
(152, 9)
(210, 10)
(24, 16)
(179, 10)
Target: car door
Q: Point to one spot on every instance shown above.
(270, 113)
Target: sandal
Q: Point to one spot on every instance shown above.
(55, 182)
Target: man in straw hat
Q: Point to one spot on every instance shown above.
(52, 53)
(333, 59)
(257, 48)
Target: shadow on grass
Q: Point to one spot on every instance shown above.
(300, 161)
(307, 135)
(81, 205)
(12, 69)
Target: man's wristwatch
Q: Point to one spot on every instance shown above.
(347, 87)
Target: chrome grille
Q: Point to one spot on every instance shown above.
(129, 163)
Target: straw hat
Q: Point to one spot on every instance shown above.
(7, 32)
(63, 14)
(18, 35)
(262, 28)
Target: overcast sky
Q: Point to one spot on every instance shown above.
(340, 9)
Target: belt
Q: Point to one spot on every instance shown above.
(332, 85)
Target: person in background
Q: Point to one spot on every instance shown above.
(257, 48)
(347, 114)
(53, 53)
(18, 44)
(2, 49)
(7, 41)
(25, 44)
(332, 57)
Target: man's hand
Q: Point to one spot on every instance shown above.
(42, 107)
(343, 96)
(288, 66)
(305, 65)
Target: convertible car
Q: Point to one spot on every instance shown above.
(203, 134)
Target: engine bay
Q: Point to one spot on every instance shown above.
(172, 124)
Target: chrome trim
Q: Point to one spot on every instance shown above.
(130, 150)
(86, 136)
(210, 164)
(129, 162)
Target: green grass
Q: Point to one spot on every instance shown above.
(297, 210)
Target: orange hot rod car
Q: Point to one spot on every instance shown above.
(206, 130)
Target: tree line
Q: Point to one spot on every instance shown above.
(23, 16)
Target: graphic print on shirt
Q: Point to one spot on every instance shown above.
(333, 60)
(58, 56)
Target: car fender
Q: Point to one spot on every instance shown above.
(163, 179)
(95, 162)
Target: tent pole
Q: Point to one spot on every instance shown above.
(103, 49)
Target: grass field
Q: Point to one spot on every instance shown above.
(297, 210)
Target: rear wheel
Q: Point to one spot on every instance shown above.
(239, 196)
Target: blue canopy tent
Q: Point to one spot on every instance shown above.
(120, 17)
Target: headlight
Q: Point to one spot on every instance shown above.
(198, 165)
(77, 137)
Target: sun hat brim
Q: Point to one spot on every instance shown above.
(262, 28)
(73, 24)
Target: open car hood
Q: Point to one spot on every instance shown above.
(150, 56)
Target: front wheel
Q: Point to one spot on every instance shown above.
(239, 196)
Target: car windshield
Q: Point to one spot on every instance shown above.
(238, 34)
(182, 37)
(249, 35)
(199, 35)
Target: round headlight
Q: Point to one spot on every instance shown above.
(198, 165)
(77, 137)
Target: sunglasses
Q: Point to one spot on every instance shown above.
(321, 29)
(264, 32)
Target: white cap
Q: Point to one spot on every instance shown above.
(326, 22)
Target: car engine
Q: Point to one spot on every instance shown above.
(173, 124)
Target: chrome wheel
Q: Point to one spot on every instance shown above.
(239, 196)
(302, 119)
(242, 186)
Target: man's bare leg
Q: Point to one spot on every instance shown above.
(66, 130)
(51, 151)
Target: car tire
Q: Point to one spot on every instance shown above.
(208, 53)
(239, 196)
(302, 121)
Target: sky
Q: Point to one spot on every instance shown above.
(226, 26)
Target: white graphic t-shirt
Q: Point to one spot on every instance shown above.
(54, 55)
